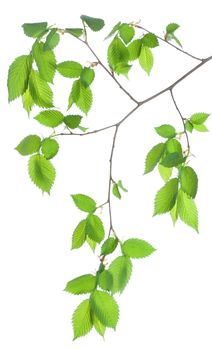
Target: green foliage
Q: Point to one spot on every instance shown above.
(81, 319)
(166, 130)
(70, 69)
(200, 128)
(172, 159)
(166, 197)
(45, 61)
(27, 101)
(49, 148)
(165, 173)
(77, 32)
(18, 76)
(126, 32)
(146, 59)
(99, 327)
(105, 280)
(199, 118)
(81, 285)
(29, 145)
(41, 172)
(84, 203)
(81, 96)
(189, 181)
(34, 30)
(196, 122)
(170, 33)
(109, 246)
(134, 49)
(94, 24)
(153, 157)
(40, 91)
(79, 235)
(137, 248)
(87, 76)
(187, 210)
(50, 118)
(173, 146)
(94, 228)
(72, 121)
(114, 30)
(121, 270)
(150, 40)
(116, 189)
(52, 40)
(117, 53)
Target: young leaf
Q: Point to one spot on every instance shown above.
(200, 128)
(52, 40)
(174, 213)
(166, 197)
(189, 126)
(153, 157)
(117, 53)
(50, 118)
(84, 203)
(172, 27)
(81, 319)
(79, 235)
(45, 61)
(189, 181)
(134, 49)
(29, 145)
(109, 246)
(94, 24)
(72, 121)
(34, 30)
(27, 101)
(18, 76)
(166, 130)
(114, 30)
(150, 40)
(199, 118)
(99, 327)
(94, 228)
(172, 159)
(187, 210)
(105, 280)
(105, 308)
(126, 32)
(81, 96)
(41, 172)
(121, 270)
(87, 76)
(120, 185)
(50, 148)
(137, 248)
(40, 91)
(173, 146)
(81, 285)
(165, 173)
(146, 59)
(70, 69)
(91, 243)
(116, 191)
(77, 32)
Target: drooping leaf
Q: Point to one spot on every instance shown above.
(126, 32)
(50, 118)
(165, 173)
(34, 30)
(137, 248)
(113, 31)
(172, 27)
(109, 246)
(122, 68)
(81, 285)
(166, 197)
(77, 32)
(52, 40)
(94, 228)
(199, 118)
(153, 157)
(146, 59)
(84, 203)
(41, 172)
(29, 145)
(18, 76)
(187, 210)
(70, 69)
(134, 49)
(79, 235)
(99, 327)
(72, 121)
(105, 308)
(50, 148)
(94, 24)
(172, 159)
(27, 101)
(117, 53)
(40, 91)
(87, 76)
(189, 181)
(121, 270)
(150, 40)
(166, 130)
(81, 319)
(120, 185)
(105, 280)
(200, 128)
(81, 96)
(116, 191)
(173, 146)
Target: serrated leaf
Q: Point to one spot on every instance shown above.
(81, 96)
(18, 76)
(199, 118)
(34, 30)
(105, 308)
(189, 126)
(165, 173)
(29, 145)
(105, 280)
(166, 130)
(92, 244)
(153, 157)
(94, 228)
(50, 148)
(27, 101)
(52, 40)
(126, 32)
(81, 319)
(84, 203)
(94, 24)
(146, 59)
(166, 197)
(50, 118)
(174, 213)
(187, 210)
(81, 285)
(120, 269)
(150, 40)
(174, 146)
(72, 121)
(99, 327)
(189, 181)
(122, 68)
(87, 76)
(117, 53)
(113, 31)
(77, 32)
(41, 172)
(172, 159)
(79, 235)
(70, 69)
(116, 192)
(134, 49)
(40, 91)
(172, 27)
(200, 128)
(109, 246)
(136, 248)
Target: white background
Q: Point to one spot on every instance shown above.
(167, 304)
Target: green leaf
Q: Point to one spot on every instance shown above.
(114, 30)
(29, 145)
(105, 280)
(165, 173)
(173, 146)
(52, 40)
(172, 27)
(172, 36)
(199, 118)
(174, 213)
(79, 235)
(117, 53)
(121, 270)
(41, 172)
(166, 130)
(77, 32)
(100, 328)
(126, 32)
(91, 243)
(166, 197)
(94, 24)
(50, 148)
(189, 126)
(94, 228)
(72, 121)
(122, 68)
(70, 69)
(120, 185)
(146, 59)
(18, 76)
(187, 210)
(150, 40)
(153, 157)
(109, 246)
(136, 248)
(189, 181)
(105, 308)
(84, 203)
(87, 76)
(81, 319)
(27, 101)
(134, 49)
(81, 285)
(34, 30)
(200, 128)
(172, 159)
(40, 91)
(50, 118)
(81, 96)
(116, 191)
